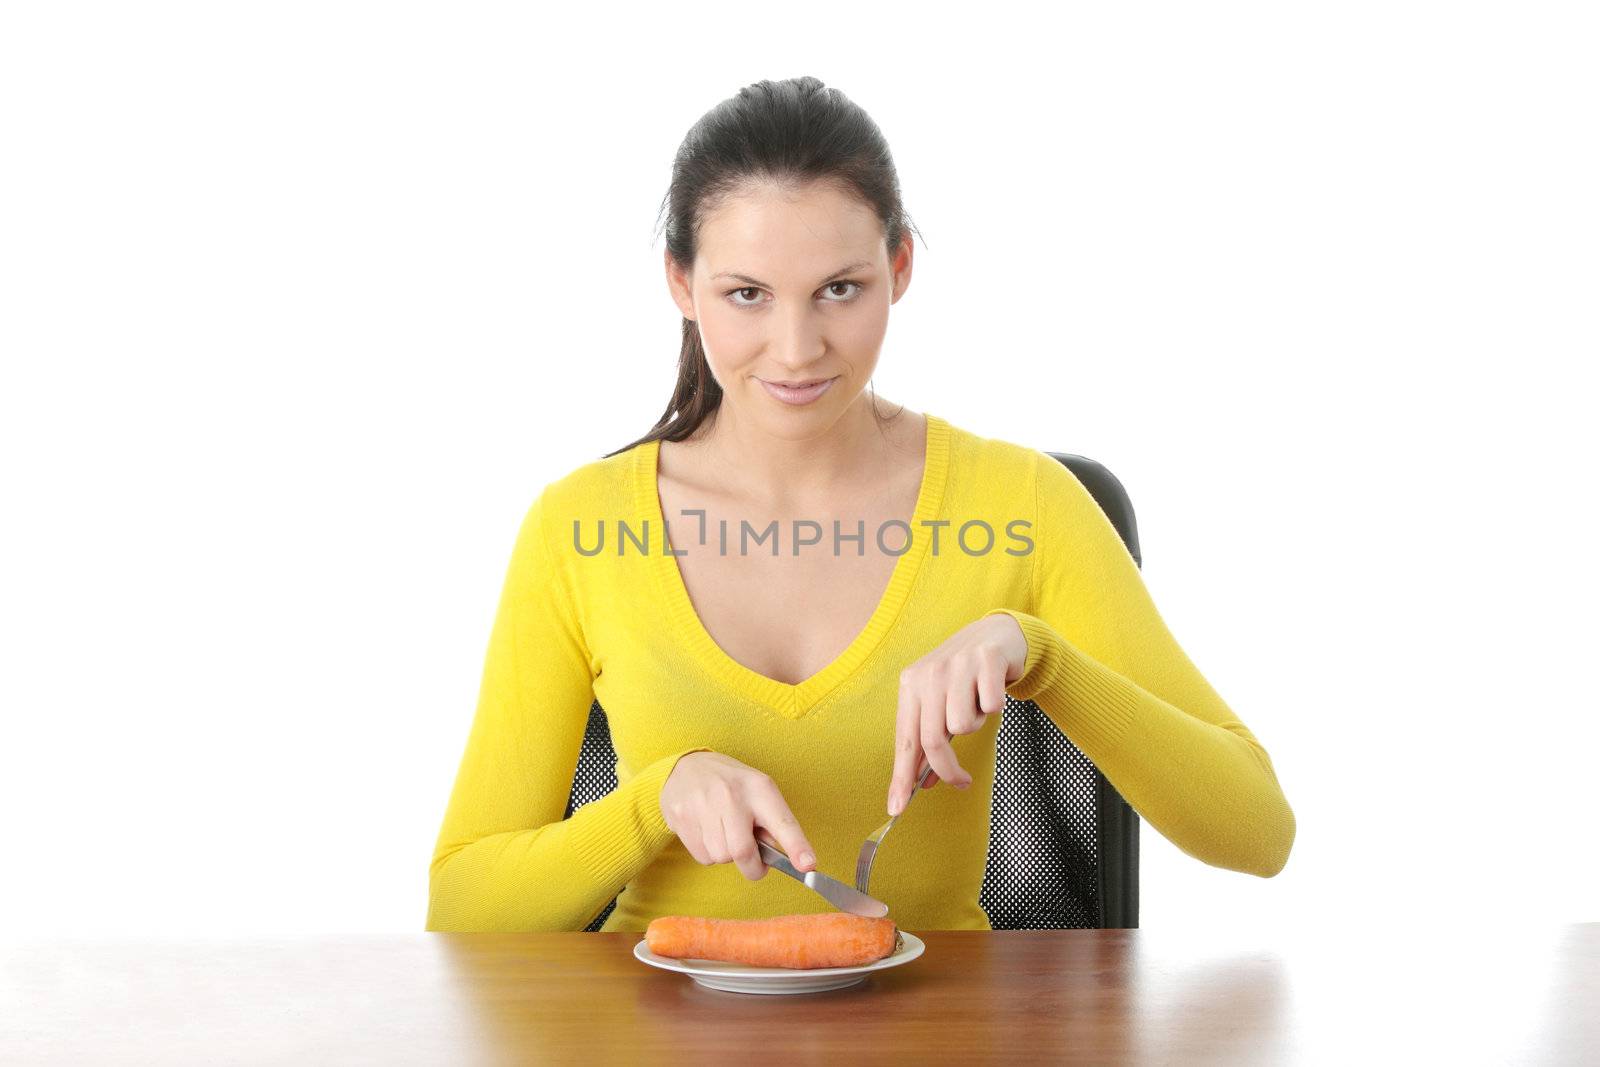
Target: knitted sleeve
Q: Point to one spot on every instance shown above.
(505, 857)
(1104, 667)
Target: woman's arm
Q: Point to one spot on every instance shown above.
(1103, 665)
(505, 858)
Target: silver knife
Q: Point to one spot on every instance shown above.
(844, 897)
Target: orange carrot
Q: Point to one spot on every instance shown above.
(822, 939)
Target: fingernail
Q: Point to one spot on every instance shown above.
(894, 805)
(806, 859)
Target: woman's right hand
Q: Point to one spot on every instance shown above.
(719, 807)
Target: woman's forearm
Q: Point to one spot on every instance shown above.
(1201, 780)
(553, 877)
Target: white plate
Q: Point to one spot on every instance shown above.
(738, 978)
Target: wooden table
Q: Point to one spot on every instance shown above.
(1324, 994)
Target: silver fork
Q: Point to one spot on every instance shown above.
(869, 848)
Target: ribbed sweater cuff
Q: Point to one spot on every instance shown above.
(615, 853)
(1091, 703)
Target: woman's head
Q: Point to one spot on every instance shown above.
(786, 242)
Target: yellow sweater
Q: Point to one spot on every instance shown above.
(573, 627)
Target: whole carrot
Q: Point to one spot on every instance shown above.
(823, 939)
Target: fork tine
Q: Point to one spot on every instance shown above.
(869, 852)
(869, 848)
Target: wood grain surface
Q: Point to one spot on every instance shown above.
(1319, 995)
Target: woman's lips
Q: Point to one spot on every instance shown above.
(802, 395)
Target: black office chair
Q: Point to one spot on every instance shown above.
(1063, 844)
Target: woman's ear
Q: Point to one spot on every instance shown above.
(679, 286)
(900, 269)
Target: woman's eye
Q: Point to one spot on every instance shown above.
(739, 298)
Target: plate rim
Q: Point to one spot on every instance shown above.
(914, 947)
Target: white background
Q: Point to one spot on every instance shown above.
(301, 304)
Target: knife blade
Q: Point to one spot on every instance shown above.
(844, 897)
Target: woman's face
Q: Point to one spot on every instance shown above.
(791, 285)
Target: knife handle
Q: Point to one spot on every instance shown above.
(779, 862)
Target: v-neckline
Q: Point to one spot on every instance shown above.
(792, 700)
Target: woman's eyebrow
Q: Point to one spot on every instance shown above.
(846, 269)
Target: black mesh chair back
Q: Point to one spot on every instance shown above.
(1063, 844)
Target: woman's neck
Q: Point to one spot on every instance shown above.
(787, 473)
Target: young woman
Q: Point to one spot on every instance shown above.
(850, 590)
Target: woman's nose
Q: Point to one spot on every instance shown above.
(799, 342)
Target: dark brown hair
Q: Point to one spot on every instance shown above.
(796, 130)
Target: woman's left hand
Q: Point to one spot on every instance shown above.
(949, 692)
